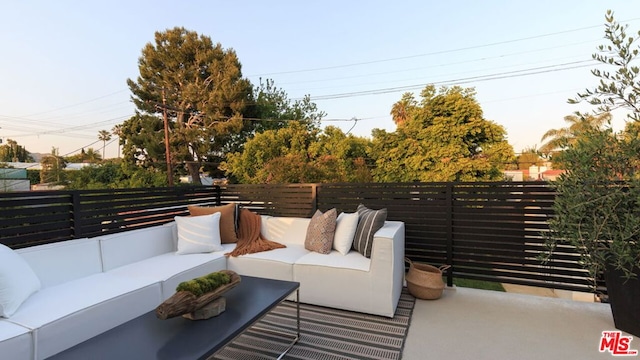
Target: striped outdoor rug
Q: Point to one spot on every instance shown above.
(325, 333)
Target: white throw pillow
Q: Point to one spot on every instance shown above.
(198, 234)
(17, 281)
(346, 226)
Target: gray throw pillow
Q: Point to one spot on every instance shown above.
(370, 221)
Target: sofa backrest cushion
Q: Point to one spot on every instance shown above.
(285, 230)
(63, 261)
(135, 245)
(17, 281)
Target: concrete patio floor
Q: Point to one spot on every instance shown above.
(469, 323)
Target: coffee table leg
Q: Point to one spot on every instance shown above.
(295, 340)
(297, 335)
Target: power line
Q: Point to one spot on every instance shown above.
(495, 76)
(76, 104)
(440, 52)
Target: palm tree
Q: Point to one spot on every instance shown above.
(400, 110)
(562, 138)
(117, 131)
(92, 156)
(104, 136)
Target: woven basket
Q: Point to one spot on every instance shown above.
(425, 281)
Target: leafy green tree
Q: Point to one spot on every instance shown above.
(114, 174)
(619, 82)
(90, 156)
(341, 157)
(579, 124)
(52, 168)
(272, 109)
(199, 86)
(250, 165)
(528, 157)
(444, 138)
(297, 154)
(12, 152)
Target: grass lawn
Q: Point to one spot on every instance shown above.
(478, 284)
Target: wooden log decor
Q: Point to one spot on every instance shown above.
(194, 294)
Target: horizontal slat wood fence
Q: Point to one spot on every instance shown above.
(490, 231)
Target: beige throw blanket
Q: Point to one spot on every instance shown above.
(249, 238)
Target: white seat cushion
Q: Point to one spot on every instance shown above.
(171, 269)
(69, 313)
(275, 264)
(353, 260)
(15, 342)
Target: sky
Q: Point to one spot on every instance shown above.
(64, 64)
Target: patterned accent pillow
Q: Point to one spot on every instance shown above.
(370, 221)
(320, 232)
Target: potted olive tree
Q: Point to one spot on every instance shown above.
(597, 207)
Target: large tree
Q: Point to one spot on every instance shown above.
(444, 137)
(13, 152)
(297, 154)
(199, 86)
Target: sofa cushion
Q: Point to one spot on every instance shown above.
(370, 221)
(320, 232)
(171, 269)
(72, 312)
(198, 234)
(228, 219)
(63, 261)
(346, 226)
(273, 264)
(15, 341)
(285, 230)
(17, 281)
(132, 246)
(353, 260)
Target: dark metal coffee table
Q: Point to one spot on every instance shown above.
(147, 337)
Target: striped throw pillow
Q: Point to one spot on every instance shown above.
(370, 221)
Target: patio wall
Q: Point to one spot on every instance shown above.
(487, 231)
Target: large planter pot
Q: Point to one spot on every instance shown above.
(624, 298)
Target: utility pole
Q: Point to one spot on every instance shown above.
(167, 152)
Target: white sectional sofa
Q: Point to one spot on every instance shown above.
(91, 285)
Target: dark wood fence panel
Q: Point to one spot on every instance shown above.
(498, 235)
(276, 200)
(33, 218)
(490, 231)
(39, 217)
(109, 211)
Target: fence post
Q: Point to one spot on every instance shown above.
(218, 192)
(449, 236)
(314, 198)
(76, 214)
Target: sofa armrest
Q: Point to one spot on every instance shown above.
(387, 262)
